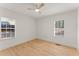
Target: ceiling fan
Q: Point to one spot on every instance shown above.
(37, 7)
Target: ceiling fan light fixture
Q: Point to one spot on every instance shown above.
(37, 10)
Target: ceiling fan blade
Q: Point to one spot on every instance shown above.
(39, 12)
(36, 6)
(30, 9)
(41, 5)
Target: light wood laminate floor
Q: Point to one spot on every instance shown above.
(39, 48)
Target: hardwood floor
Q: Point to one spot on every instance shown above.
(39, 48)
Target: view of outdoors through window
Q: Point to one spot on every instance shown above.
(7, 27)
(59, 27)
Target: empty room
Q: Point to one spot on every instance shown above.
(39, 29)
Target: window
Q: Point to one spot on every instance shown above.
(7, 28)
(59, 27)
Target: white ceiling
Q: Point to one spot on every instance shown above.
(48, 9)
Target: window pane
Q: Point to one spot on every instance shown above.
(7, 27)
(3, 35)
(59, 27)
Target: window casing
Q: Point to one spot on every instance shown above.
(7, 28)
(59, 27)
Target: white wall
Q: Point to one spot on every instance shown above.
(78, 29)
(25, 28)
(46, 27)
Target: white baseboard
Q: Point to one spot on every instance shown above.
(12, 45)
